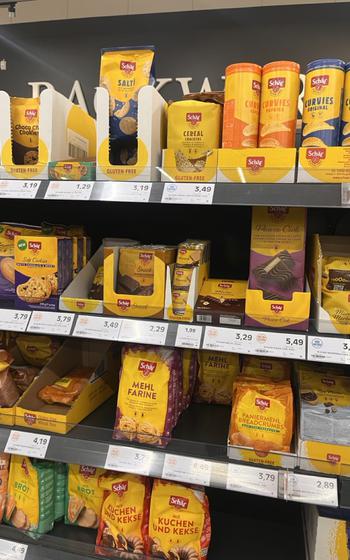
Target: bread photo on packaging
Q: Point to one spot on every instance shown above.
(67, 389)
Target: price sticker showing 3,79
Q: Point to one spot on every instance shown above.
(28, 444)
(312, 489)
(147, 332)
(129, 459)
(252, 480)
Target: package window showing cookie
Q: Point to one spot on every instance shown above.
(190, 254)
(217, 372)
(36, 350)
(43, 268)
(123, 73)
(4, 476)
(136, 268)
(262, 415)
(184, 510)
(221, 302)
(150, 394)
(67, 389)
(25, 130)
(277, 251)
(325, 407)
(7, 251)
(194, 131)
(274, 369)
(84, 496)
(124, 513)
(31, 491)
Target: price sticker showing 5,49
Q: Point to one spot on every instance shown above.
(28, 444)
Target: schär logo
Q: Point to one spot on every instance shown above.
(277, 307)
(315, 155)
(34, 245)
(22, 244)
(255, 164)
(86, 471)
(127, 66)
(179, 502)
(333, 458)
(262, 403)
(225, 285)
(193, 118)
(120, 487)
(29, 418)
(147, 367)
(31, 114)
(328, 381)
(319, 82)
(276, 84)
(123, 303)
(256, 86)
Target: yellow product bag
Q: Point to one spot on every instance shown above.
(4, 475)
(262, 418)
(84, 496)
(25, 130)
(179, 524)
(275, 369)
(124, 513)
(37, 350)
(336, 290)
(216, 375)
(189, 370)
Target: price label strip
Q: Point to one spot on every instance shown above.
(10, 550)
(317, 490)
(28, 444)
(11, 320)
(345, 194)
(187, 469)
(129, 459)
(188, 336)
(328, 349)
(227, 340)
(97, 327)
(279, 345)
(125, 192)
(69, 190)
(252, 480)
(188, 193)
(18, 189)
(49, 322)
(147, 332)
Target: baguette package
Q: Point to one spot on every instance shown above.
(67, 389)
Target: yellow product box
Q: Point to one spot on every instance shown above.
(323, 457)
(326, 536)
(324, 165)
(269, 459)
(43, 268)
(200, 172)
(33, 412)
(256, 165)
(64, 131)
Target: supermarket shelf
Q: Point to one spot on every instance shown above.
(282, 344)
(322, 195)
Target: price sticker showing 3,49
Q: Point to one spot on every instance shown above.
(104, 328)
(188, 193)
(28, 444)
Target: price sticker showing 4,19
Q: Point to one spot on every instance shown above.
(10, 550)
(28, 444)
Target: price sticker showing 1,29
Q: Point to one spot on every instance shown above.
(188, 193)
(312, 489)
(10, 550)
(28, 444)
(103, 328)
(69, 190)
(147, 332)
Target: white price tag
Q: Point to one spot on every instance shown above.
(10, 550)
(129, 459)
(27, 444)
(252, 480)
(126, 192)
(103, 328)
(49, 322)
(328, 349)
(188, 336)
(147, 332)
(12, 320)
(345, 194)
(18, 189)
(279, 345)
(227, 340)
(317, 490)
(188, 193)
(69, 190)
(187, 469)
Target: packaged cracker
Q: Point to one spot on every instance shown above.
(4, 475)
(274, 369)
(184, 512)
(67, 389)
(84, 496)
(31, 492)
(194, 130)
(37, 350)
(216, 375)
(60, 489)
(279, 104)
(25, 130)
(124, 514)
(324, 83)
(277, 251)
(242, 105)
(345, 119)
(147, 405)
(123, 73)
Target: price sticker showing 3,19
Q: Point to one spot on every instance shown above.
(28, 444)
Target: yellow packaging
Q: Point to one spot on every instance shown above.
(194, 130)
(261, 165)
(124, 513)
(36, 350)
(345, 124)
(4, 476)
(179, 524)
(84, 496)
(216, 375)
(25, 130)
(242, 104)
(268, 368)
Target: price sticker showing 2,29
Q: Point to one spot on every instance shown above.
(147, 332)
(28, 444)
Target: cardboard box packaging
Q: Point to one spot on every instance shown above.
(326, 537)
(205, 174)
(324, 165)
(256, 165)
(221, 302)
(72, 170)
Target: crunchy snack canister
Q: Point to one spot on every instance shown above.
(345, 119)
(279, 104)
(242, 103)
(324, 83)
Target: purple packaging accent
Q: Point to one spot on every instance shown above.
(301, 326)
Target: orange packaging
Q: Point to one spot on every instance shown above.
(279, 104)
(242, 103)
(179, 524)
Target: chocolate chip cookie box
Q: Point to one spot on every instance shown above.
(43, 268)
(256, 165)
(324, 165)
(150, 138)
(35, 414)
(66, 131)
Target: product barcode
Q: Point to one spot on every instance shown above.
(76, 152)
(230, 321)
(204, 318)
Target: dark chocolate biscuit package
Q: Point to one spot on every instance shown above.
(221, 302)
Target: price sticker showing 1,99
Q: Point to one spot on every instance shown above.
(188, 336)
(28, 444)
